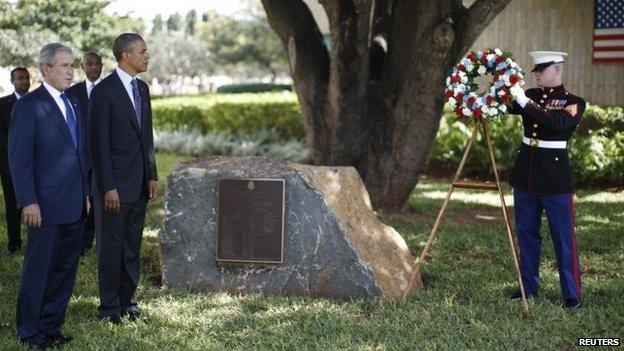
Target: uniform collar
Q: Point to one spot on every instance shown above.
(554, 90)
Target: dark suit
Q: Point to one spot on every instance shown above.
(79, 91)
(13, 214)
(123, 155)
(49, 169)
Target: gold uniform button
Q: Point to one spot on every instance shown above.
(545, 96)
(556, 158)
(534, 134)
(541, 101)
(534, 125)
(551, 90)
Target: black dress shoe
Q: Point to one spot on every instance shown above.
(112, 319)
(136, 315)
(59, 339)
(42, 346)
(572, 304)
(518, 295)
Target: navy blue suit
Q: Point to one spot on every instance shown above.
(49, 169)
(79, 91)
(123, 159)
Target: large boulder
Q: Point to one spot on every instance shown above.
(334, 246)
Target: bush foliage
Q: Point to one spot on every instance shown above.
(240, 113)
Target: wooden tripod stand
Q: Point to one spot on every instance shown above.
(456, 183)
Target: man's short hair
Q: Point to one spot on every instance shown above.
(123, 43)
(91, 53)
(49, 51)
(18, 69)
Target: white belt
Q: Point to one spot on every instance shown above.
(544, 143)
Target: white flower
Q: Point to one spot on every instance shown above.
(490, 57)
(493, 112)
(503, 108)
(448, 81)
(485, 109)
(464, 79)
(469, 67)
(501, 92)
(498, 52)
(452, 101)
(481, 70)
(466, 112)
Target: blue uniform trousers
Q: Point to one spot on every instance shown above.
(560, 213)
(47, 281)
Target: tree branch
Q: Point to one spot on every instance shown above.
(349, 22)
(470, 22)
(309, 65)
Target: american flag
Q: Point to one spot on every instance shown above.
(609, 31)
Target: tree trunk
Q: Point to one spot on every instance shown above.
(375, 101)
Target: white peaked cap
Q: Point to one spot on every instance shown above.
(540, 57)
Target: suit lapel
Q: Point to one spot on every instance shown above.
(54, 112)
(121, 92)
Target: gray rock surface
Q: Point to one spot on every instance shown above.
(334, 246)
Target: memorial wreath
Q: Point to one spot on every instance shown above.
(461, 92)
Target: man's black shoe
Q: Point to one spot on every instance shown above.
(518, 295)
(59, 339)
(572, 304)
(135, 315)
(43, 346)
(112, 319)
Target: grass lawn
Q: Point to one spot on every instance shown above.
(463, 306)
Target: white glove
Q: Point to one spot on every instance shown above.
(518, 93)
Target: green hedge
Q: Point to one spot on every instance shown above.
(252, 88)
(240, 113)
(596, 148)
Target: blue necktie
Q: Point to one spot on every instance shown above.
(137, 100)
(71, 119)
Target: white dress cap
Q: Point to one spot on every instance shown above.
(540, 57)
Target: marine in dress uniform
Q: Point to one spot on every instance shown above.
(542, 178)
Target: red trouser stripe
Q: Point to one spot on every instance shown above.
(575, 256)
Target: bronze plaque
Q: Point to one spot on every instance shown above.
(250, 220)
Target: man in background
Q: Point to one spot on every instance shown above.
(20, 78)
(92, 66)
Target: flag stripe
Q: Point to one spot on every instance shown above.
(608, 40)
(609, 37)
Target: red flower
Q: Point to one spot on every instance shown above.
(459, 97)
(514, 79)
(458, 112)
(455, 79)
(471, 100)
(489, 99)
(505, 98)
(461, 67)
(472, 57)
(447, 94)
(499, 59)
(476, 113)
(483, 58)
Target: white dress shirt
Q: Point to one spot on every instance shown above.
(17, 96)
(126, 79)
(56, 95)
(90, 85)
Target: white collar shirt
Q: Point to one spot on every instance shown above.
(56, 95)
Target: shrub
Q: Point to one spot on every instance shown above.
(236, 114)
(252, 88)
(596, 148)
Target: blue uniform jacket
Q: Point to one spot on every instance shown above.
(545, 171)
